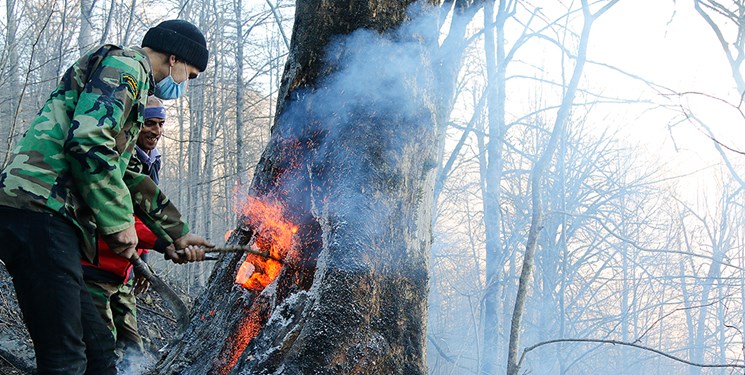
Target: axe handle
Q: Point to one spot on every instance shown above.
(165, 291)
(235, 249)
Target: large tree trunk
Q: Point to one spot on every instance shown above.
(351, 164)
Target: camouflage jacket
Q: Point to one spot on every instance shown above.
(73, 159)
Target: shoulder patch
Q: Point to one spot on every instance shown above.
(131, 83)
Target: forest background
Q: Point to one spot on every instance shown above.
(643, 239)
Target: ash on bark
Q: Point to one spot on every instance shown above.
(351, 159)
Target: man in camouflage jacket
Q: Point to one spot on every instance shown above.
(67, 183)
(111, 282)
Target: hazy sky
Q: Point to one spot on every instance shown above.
(667, 42)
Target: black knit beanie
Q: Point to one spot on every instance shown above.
(180, 38)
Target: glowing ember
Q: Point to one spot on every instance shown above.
(244, 331)
(274, 237)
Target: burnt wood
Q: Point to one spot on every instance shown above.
(354, 170)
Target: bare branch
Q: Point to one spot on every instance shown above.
(279, 24)
(650, 250)
(615, 342)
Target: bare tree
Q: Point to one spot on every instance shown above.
(536, 179)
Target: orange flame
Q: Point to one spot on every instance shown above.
(245, 330)
(274, 237)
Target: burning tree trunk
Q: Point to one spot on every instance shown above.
(342, 195)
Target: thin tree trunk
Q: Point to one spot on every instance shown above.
(722, 327)
(107, 26)
(239, 95)
(128, 29)
(196, 139)
(209, 144)
(85, 38)
(496, 65)
(562, 117)
(203, 181)
(628, 277)
(182, 143)
(699, 342)
(450, 60)
(61, 44)
(277, 19)
(688, 303)
(24, 87)
(11, 107)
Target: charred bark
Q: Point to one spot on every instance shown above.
(351, 161)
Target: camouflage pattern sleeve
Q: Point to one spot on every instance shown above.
(154, 208)
(100, 140)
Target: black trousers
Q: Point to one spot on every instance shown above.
(41, 252)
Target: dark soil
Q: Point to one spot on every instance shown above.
(156, 325)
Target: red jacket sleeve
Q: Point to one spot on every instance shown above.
(146, 237)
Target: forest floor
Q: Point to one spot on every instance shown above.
(155, 322)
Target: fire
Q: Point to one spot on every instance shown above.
(274, 237)
(244, 331)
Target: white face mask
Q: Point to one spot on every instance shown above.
(168, 89)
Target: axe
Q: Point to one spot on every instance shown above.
(164, 290)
